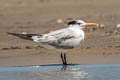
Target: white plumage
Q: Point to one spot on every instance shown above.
(66, 38)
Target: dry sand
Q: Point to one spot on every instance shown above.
(101, 45)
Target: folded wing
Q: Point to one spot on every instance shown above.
(64, 38)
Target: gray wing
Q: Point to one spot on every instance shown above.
(64, 38)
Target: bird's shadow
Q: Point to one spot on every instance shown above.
(64, 67)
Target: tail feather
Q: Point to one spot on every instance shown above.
(23, 36)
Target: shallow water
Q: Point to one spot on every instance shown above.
(54, 72)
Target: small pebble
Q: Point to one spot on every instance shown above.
(14, 47)
(5, 48)
(24, 33)
(38, 47)
(75, 69)
(28, 47)
(59, 21)
(118, 25)
(102, 26)
(116, 32)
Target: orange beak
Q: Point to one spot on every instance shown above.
(92, 24)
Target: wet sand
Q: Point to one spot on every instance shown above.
(101, 45)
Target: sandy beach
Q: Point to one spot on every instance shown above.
(101, 45)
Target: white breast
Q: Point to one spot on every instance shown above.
(79, 32)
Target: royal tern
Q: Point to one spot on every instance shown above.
(63, 39)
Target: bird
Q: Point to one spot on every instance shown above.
(62, 39)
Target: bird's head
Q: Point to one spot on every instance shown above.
(82, 24)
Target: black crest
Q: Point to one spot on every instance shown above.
(72, 22)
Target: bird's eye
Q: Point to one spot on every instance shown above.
(78, 23)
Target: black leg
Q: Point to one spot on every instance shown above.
(63, 57)
(65, 61)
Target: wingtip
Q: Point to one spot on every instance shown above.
(12, 33)
(21, 35)
(8, 32)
